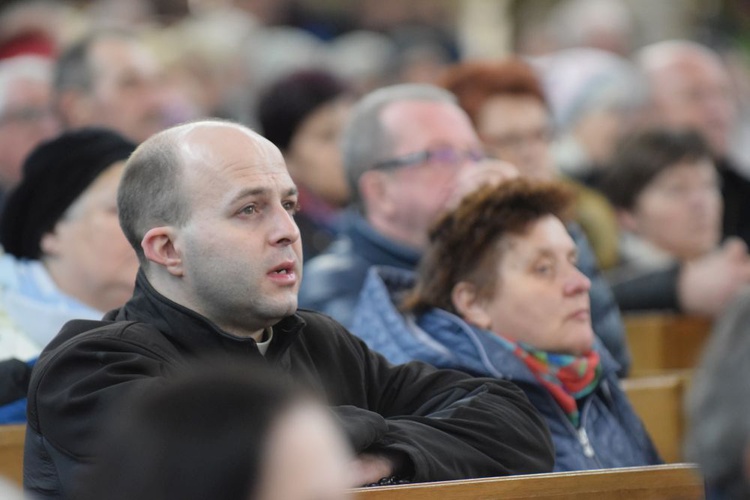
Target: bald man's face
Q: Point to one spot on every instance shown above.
(241, 254)
(694, 91)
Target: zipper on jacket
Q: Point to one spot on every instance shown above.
(583, 438)
(580, 432)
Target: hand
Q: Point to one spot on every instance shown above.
(487, 172)
(708, 284)
(369, 468)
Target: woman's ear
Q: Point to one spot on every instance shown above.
(159, 247)
(49, 243)
(469, 304)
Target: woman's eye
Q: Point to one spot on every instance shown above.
(543, 269)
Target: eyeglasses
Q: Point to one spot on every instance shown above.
(442, 156)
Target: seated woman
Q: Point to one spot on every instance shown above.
(511, 112)
(65, 256)
(498, 294)
(665, 188)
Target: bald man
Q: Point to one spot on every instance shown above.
(209, 209)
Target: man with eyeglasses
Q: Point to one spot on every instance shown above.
(409, 152)
(26, 117)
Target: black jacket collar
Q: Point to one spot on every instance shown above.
(194, 333)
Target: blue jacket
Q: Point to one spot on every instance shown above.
(333, 280)
(610, 435)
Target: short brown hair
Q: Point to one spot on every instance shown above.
(641, 156)
(464, 242)
(474, 83)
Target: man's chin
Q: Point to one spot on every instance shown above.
(285, 309)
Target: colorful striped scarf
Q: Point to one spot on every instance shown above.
(567, 377)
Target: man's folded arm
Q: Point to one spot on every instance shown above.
(451, 425)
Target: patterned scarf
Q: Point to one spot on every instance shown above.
(567, 377)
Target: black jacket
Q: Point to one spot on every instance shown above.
(445, 424)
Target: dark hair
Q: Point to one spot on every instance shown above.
(641, 156)
(474, 83)
(286, 103)
(196, 435)
(463, 243)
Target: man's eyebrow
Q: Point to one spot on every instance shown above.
(248, 192)
(259, 191)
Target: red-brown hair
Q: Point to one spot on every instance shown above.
(474, 83)
(464, 242)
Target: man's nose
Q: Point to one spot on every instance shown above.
(284, 230)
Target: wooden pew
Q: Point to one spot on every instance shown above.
(661, 342)
(12, 438)
(658, 400)
(673, 481)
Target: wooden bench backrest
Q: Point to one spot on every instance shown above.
(673, 481)
(12, 438)
(665, 342)
(658, 400)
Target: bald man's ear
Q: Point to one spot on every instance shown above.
(159, 247)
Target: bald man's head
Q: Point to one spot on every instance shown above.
(690, 88)
(151, 192)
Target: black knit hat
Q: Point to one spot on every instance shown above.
(55, 174)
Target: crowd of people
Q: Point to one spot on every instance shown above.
(234, 251)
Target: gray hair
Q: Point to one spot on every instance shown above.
(580, 81)
(365, 141)
(658, 55)
(73, 70)
(718, 404)
(22, 69)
